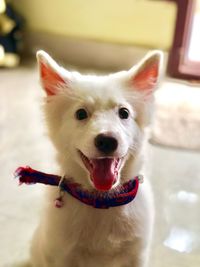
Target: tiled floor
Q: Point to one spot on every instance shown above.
(175, 177)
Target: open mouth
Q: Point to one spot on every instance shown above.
(103, 171)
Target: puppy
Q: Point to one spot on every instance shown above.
(97, 126)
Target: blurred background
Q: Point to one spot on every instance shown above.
(100, 37)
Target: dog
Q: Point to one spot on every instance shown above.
(96, 124)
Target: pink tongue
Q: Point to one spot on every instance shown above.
(103, 173)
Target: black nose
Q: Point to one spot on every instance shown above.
(105, 143)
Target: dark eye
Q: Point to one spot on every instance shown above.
(123, 113)
(81, 114)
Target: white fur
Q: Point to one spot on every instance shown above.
(78, 235)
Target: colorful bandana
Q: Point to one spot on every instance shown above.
(121, 195)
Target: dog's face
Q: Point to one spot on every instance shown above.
(98, 121)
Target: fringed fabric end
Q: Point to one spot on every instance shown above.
(25, 175)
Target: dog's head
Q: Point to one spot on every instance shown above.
(96, 122)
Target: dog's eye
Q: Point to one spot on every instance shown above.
(81, 114)
(123, 113)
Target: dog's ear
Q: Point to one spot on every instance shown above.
(51, 74)
(144, 76)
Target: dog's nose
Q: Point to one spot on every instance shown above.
(106, 144)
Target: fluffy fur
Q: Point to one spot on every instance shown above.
(78, 235)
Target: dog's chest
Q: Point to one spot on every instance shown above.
(97, 229)
(99, 235)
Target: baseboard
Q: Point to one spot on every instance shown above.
(84, 53)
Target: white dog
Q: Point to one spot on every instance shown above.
(97, 125)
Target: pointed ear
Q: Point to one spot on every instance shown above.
(51, 76)
(145, 75)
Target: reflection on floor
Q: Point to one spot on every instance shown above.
(175, 177)
(176, 183)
